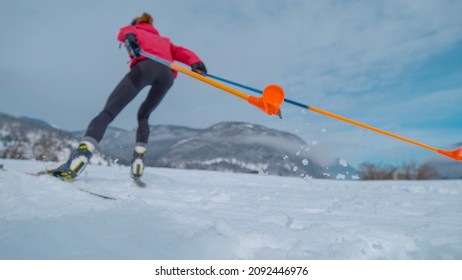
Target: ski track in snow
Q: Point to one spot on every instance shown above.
(190, 214)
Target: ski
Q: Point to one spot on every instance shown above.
(40, 173)
(97, 194)
(139, 182)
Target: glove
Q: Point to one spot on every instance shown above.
(132, 45)
(199, 67)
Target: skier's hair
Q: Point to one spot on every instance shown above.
(144, 18)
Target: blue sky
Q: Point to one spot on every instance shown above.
(396, 65)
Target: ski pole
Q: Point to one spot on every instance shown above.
(270, 102)
(453, 154)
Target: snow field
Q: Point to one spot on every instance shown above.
(189, 214)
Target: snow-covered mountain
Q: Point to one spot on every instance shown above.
(234, 147)
(192, 214)
(27, 138)
(229, 146)
(24, 138)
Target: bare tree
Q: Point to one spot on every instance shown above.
(47, 148)
(406, 171)
(427, 172)
(16, 150)
(371, 171)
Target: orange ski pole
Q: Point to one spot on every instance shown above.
(270, 102)
(454, 154)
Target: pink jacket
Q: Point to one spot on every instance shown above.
(151, 42)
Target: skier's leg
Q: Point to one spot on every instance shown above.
(124, 92)
(158, 90)
(163, 82)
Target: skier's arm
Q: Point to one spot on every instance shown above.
(130, 29)
(127, 35)
(184, 55)
(132, 45)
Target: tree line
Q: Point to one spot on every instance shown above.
(404, 171)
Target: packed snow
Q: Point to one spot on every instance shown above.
(189, 214)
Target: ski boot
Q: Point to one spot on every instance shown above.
(137, 168)
(76, 163)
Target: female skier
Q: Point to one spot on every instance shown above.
(141, 34)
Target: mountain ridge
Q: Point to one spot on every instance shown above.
(227, 146)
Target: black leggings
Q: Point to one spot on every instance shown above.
(144, 73)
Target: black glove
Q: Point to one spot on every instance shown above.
(199, 67)
(132, 45)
